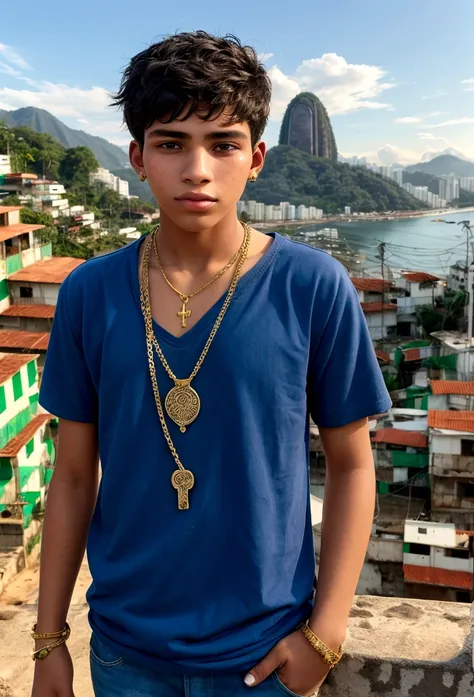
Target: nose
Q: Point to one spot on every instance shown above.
(197, 167)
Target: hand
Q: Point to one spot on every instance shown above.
(54, 674)
(300, 668)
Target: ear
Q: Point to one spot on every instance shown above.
(135, 154)
(258, 157)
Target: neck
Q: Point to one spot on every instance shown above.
(195, 248)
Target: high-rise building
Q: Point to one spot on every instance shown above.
(397, 175)
(306, 126)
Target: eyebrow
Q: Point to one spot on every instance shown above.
(181, 135)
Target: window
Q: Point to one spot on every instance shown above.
(26, 292)
(457, 553)
(422, 531)
(17, 386)
(466, 490)
(467, 447)
(419, 549)
(463, 597)
(3, 401)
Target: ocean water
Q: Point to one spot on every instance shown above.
(417, 244)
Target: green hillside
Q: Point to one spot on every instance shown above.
(292, 175)
(109, 155)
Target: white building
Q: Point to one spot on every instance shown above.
(466, 183)
(5, 164)
(422, 289)
(347, 210)
(457, 277)
(38, 283)
(109, 180)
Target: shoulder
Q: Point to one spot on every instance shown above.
(312, 268)
(101, 271)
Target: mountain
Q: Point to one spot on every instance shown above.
(306, 125)
(444, 165)
(109, 155)
(293, 175)
(427, 156)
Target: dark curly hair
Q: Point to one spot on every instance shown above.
(195, 72)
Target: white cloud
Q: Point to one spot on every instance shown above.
(265, 57)
(13, 58)
(435, 94)
(343, 87)
(391, 154)
(470, 85)
(430, 136)
(75, 106)
(454, 122)
(408, 119)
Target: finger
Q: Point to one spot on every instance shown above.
(263, 669)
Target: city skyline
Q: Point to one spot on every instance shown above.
(372, 68)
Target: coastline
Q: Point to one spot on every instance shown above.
(400, 215)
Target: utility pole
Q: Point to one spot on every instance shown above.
(381, 249)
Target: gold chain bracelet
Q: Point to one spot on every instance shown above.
(329, 656)
(65, 632)
(44, 652)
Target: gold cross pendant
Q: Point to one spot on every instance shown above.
(184, 314)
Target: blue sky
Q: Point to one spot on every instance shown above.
(396, 77)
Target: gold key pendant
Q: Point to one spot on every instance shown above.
(182, 481)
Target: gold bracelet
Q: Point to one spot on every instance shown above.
(43, 653)
(51, 635)
(329, 656)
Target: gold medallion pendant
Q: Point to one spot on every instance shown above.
(182, 404)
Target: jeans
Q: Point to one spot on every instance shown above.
(114, 677)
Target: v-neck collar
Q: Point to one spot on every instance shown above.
(210, 316)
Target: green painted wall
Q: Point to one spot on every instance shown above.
(17, 386)
(32, 373)
(3, 289)
(403, 459)
(13, 264)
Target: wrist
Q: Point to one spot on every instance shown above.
(329, 632)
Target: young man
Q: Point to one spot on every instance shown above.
(189, 362)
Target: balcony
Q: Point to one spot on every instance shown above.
(15, 262)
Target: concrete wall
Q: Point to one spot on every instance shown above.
(447, 445)
(11, 535)
(445, 493)
(428, 533)
(43, 293)
(452, 466)
(25, 324)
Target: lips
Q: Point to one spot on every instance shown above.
(196, 201)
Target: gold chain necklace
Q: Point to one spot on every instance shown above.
(182, 479)
(184, 313)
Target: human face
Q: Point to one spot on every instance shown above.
(197, 170)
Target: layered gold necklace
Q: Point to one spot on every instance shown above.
(184, 314)
(182, 402)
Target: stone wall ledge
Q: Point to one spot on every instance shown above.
(396, 647)
(401, 647)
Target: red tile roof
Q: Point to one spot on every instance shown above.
(383, 356)
(451, 420)
(395, 436)
(21, 175)
(33, 311)
(457, 387)
(16, 444)
(11, 363)
(419, 277)
(53, 270)
(9, 209)
(33, 341)
(437, 577)
(413, 354)
(372, 285)
(9, 231)
(368, 308)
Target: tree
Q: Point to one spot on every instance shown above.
(76, 166)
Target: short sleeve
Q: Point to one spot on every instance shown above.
(67, 390)
(345, 382)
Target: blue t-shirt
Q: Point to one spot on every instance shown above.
(212, 588)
